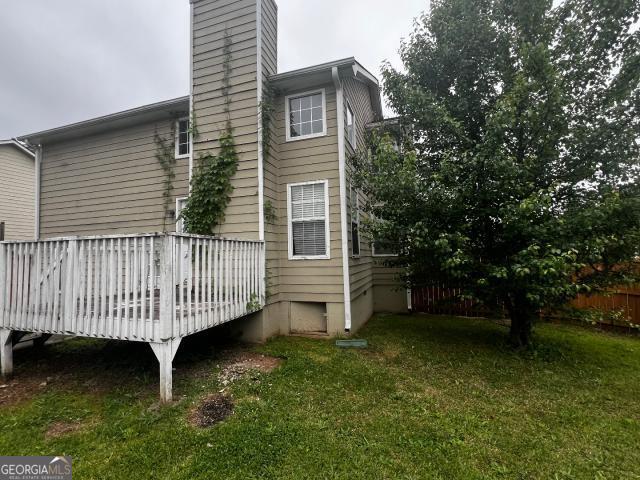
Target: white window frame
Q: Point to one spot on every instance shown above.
(355, 215)
(287, 108)
(327, 238)
(177, 139)
(351, 138)
(179, 221)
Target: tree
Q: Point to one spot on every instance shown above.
(518, 180)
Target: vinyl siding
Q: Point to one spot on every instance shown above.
(108, 183)
(303, 161)
(360, 268)
(271, 161)
(17, 195)
(213, 20)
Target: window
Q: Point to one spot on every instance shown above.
(306, 115)
(308, 211)
(355, 221)
(351, 126)
(183, 138)
(384, 248)
(180, 204)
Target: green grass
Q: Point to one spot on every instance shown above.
(431, 397)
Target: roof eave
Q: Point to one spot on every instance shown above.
(107, 122)
(19, 146)
(317, 74)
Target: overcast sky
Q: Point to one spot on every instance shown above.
(65, 61)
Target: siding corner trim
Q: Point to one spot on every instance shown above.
(343, 198)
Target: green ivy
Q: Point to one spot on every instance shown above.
(267, 110)
(165, 154)
(211, 188)
(270, 215)
(211, 185)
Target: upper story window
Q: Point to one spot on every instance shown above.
(351, 126)
(183, 138)
(308, 212)
(306, 115)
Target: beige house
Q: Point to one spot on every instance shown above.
(292, 225)
(18, 192)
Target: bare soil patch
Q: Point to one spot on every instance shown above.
(60, 429)
(212, 410)
(237, 364)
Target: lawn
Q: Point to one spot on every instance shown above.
(432, 397)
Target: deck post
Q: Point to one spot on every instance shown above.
(165, 353)
(69, 301)
(4, 285)
(167, 288)
(6, 352)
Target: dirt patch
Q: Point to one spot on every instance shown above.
(211, 410)
(17, 389)
(61, 429)
(238, 364)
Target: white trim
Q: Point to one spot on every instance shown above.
(177, 142)
(352, 141)
(179, 223)
(343, 199)
(287, 106)
(260, 126)
(327, 230)
(38, 170)
(19, 146)
(359, 70)
(191, 106)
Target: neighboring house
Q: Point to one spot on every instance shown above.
(294, 200)
(18, 192)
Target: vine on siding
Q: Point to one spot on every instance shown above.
(267, 111)
(270, 215)
(166, 156)
(211, 185)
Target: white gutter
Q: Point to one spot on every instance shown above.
(343, 199)
(260, 128)
(37, 173)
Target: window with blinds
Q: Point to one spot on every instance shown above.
(308, 220)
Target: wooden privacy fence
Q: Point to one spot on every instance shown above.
(617, 308)
(439, 299)
(146, 288)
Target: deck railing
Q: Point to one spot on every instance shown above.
(148, 288)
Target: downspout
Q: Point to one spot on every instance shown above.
(191, 109)
(343, 199)
(37, 172)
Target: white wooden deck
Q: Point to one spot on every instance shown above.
(155, 288)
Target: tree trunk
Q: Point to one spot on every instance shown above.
(522, 317)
